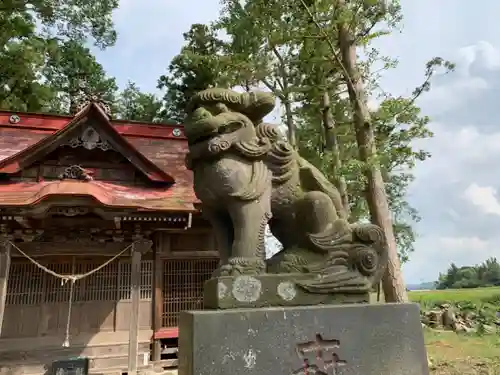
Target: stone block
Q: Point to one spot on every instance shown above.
(228, 292)
(385, 339)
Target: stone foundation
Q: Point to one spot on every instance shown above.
(385, 339)
(228, 292)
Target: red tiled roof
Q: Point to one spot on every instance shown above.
(108, 194)
(15, 140)
(92, 111)
(156, 143)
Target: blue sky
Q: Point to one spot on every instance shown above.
(456, 190)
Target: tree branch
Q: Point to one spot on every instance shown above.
(365, 32)
(272, 88)
(426, 84)
(281, 67)
(332, 48)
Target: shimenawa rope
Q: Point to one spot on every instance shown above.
(71, 278)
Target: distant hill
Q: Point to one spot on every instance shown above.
(422, 286)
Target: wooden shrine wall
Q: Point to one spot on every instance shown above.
(106, 165)
(37, 302)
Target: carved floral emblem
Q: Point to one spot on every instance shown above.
(246, 289)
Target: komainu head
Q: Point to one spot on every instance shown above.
(221, 119)
(255, 105)
(223, 111)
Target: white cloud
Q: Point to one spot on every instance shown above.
(482, 53)
(454, 190)
(435, 254)
(455, 94)
(462, 243)
(171, 18)
(464, 251)
(456, 153)
(484, 198)
(150, 35)
(466, 83)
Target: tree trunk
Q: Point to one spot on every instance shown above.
(285, 98)
(392, 282)
(73, 92)
(333, 146)
(289, 122)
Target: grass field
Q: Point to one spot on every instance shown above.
(452, 354)
(454, 295)
(461, 354)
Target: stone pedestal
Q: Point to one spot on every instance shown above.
(228, 292)
(315, 340)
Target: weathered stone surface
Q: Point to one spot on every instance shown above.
(245, 291)
(361, 339)
(245, 173)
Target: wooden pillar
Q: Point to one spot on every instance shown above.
(4, 276)
(157, 305)
(140, 248)
(162, 247)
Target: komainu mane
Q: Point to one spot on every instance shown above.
(247, 175)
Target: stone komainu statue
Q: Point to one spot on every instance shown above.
(247, 175)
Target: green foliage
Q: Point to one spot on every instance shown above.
(435, 297)
(75, 20)
(135, 105)
(398, 122)
(20, 61)
(73, 73)
(292, 51)
(21, 88)
(45, 66)
(481, 275)
(31, 32)
(479, 305)
(198, 66)
(262, 43)
(494, 299)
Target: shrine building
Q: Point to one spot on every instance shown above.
(92, 209)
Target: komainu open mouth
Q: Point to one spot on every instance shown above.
(228, 128)
(201, 139)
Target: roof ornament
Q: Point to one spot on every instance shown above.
(76, 172)
(14, 119)
(96, 99)
(90, 139)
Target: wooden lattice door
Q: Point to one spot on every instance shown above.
(101, 302)
(183, 286)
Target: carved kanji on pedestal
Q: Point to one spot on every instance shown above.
(326, 362)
